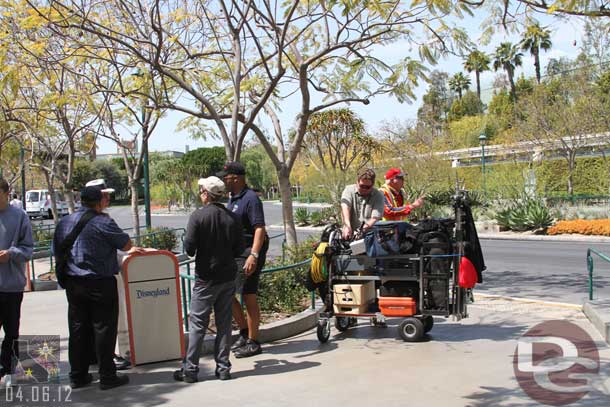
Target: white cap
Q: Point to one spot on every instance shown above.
(213, 185)
(101, 184)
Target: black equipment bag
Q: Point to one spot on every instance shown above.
(62, 250)
(435, 237)
(384, 238)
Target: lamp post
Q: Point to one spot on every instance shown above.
(22, 160)
(145, 170)
(482, 142)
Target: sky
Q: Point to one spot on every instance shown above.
(565, 32)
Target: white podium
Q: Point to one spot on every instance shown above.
(153, 312)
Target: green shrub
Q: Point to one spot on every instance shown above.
(283, 291)
(317, 218)
(161, 238)
(301, 216)
(42, 235)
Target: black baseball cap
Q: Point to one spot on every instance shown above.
(232, 167)
(91, 194)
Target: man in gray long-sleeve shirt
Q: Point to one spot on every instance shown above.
(16, 247)
(214, 235)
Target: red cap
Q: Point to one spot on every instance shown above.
(394, 172)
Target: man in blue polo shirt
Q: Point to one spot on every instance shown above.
(91, 289)
(245, 203)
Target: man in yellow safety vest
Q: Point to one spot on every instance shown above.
(395, 205)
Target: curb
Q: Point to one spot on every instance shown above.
(274, 331)
(554, 238)
(597, 313)
(565, 305)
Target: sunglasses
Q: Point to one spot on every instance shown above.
(365, 187)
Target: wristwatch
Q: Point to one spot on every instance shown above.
(254, 254)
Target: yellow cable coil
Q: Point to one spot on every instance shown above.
(318, 264)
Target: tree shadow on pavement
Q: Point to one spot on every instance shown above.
(144, 388)
(571, 287)
(516, 397)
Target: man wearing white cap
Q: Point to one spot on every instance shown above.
(101, 184)
(214, 236)
(121, 362)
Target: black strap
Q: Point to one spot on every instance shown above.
(68, 242)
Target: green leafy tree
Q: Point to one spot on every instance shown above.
(259, 168)
(562, 119)
(477, 62)
(436, 104)
(508, 57)
(459, 83)
(536, 38)
(336, 143)
(229, 58)
(469, 105)
(205, 161)
(502, 109)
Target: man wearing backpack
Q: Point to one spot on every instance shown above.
(16, 247)
(87, 272)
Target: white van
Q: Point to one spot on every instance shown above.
(38, 203)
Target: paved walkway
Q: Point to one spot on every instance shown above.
(467, 363)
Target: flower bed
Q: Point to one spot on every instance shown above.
(600, 227)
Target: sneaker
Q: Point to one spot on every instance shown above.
(251, 348)
(224, 375)
(117, 381)
(241, 341)
(181, 376)
(121, 363)
(77, 384)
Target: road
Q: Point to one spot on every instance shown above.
(553, 271)
(547, 270)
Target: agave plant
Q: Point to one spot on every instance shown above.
(301, 216)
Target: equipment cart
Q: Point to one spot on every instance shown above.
(415, 287)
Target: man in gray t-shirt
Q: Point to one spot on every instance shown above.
(361, 203)
(16, 245)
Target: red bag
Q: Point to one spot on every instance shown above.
(468, 274)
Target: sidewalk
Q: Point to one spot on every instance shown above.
(467, 363)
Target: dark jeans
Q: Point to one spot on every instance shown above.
(205, 298)
(10, 313)
(93, 312)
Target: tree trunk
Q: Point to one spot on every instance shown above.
(283, 177)
(133, 185)
(537, 66)
(69, 196)
(477, 75)
(571, 167)
(513, 89)
(51, 189)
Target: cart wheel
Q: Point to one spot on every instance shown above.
(353, 321)
(323, 330)
(428, 322)
(411, 329)
(342, 323)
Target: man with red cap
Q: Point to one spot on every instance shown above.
(395, 205)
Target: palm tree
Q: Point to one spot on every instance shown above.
(534, 39)
(459, 83)
(477, 62)
(508, 57)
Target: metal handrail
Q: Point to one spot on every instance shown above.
(187, 278)
(590, 267)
